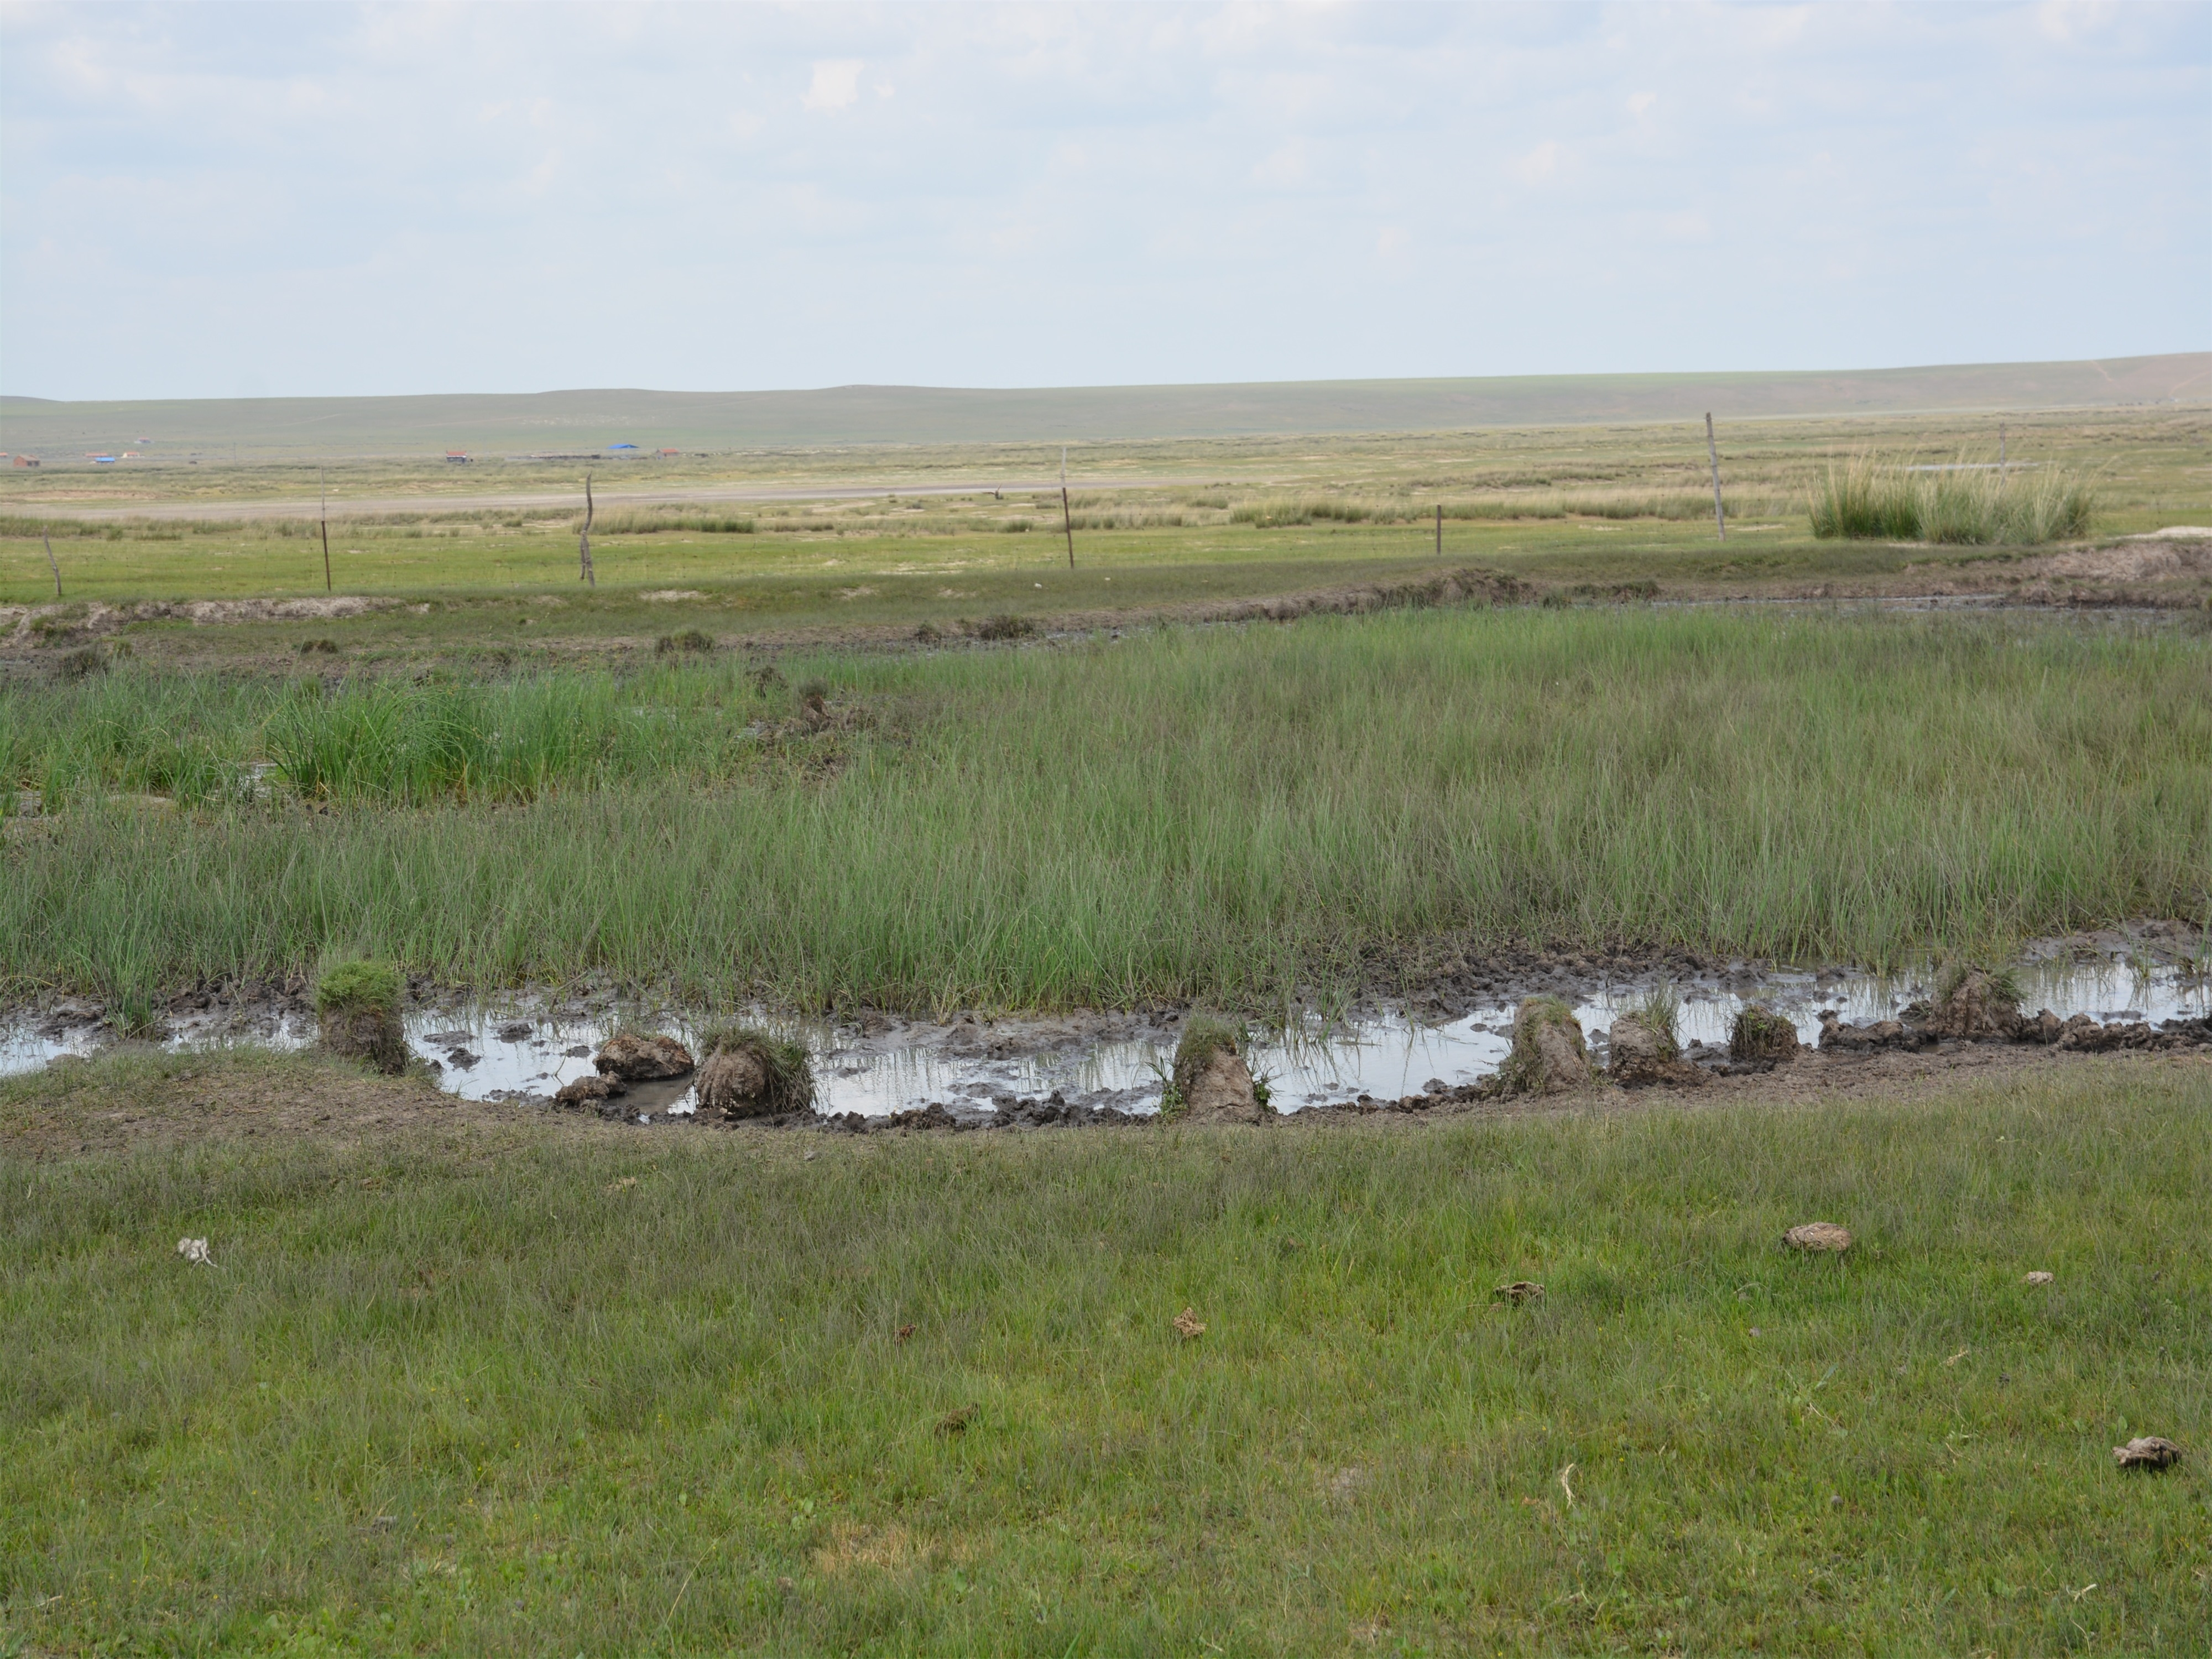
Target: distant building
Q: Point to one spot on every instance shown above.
(671, 452)
(456, 455)
(27, 460)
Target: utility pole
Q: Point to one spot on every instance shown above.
(584, 541)
(326, 476)
(1713, 454)
(1066, 517)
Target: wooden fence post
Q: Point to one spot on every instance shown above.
(49, 541)
(1066, 517)
(584, 541)
(325, 522)
(1713, 454)
(1440, 530)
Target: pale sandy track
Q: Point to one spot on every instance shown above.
(544, 504)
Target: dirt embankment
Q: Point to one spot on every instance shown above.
(77, 1109)
(58, 623)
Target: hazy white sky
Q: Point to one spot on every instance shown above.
(211, 200)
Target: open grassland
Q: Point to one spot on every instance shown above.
(492, 1391)
(1244, 816)
(1565, 502)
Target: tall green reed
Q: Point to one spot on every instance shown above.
(1239, 816)
(1870, 498)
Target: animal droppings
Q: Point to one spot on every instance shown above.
(1520, 1290)
(1189, 1325)
(955, 1422)
(194, 1250)
(2039, 1278)
(2146, 1452)
(1819, 1235)
(904, 1332)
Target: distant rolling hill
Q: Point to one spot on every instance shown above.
(528, 423)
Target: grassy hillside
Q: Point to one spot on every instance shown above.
(587, 420)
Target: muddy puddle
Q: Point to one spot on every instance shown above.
(525, 1048)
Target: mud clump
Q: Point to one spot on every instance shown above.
(1761, 1036)
(1644, 1051)
(1004, 627)
(1835, 1034)
(1211, 1083)
(593, 1093)
(643, 1057)
(1548, 1056)
(752, 1073)
(358, 1010)
(1975, 1006)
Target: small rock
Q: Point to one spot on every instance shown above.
(1818, 1236)
(2039, 1278)
(637, 1057)
(460, 1059)
(1519, 1292)
(194, 1250)
(516, 1030)
(2146, 1452)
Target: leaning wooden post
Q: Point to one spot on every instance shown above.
(2001, 454)
(1440, 530)
(1066, 517)
(326, 532)
(584, 541)
(49, 541)
(1713, 454)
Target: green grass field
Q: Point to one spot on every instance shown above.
(1246, 815)
(500, 1391)
(469, 1380)
(1159, 523)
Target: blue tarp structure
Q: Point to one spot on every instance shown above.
(622, 446)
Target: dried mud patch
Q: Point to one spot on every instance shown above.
(129, 1101)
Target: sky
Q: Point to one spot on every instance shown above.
(209, 200)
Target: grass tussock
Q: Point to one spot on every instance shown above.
(1870, 498)
(1215, 815)
(684, 1391)
(786, 1064)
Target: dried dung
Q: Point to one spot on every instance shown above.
(2146, 1452)
(1819, 1235)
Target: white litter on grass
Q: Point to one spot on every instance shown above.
(194, 1250)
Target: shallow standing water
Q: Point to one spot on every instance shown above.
(520, 1048)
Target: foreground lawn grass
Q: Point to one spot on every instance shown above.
(551, 1393)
